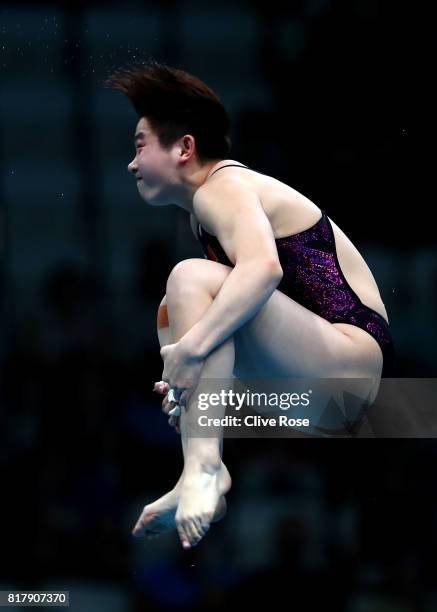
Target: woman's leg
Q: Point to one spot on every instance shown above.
(165, 337)
(205, 478)
(284, 339)
(159, 516)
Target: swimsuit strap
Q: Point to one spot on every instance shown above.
(228, 166)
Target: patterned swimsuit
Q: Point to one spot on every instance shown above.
(313, 277)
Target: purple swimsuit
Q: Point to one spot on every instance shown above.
(313, 278)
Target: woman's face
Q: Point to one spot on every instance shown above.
(154, 168)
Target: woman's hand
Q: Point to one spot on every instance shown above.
(163, 388)
(182, 370)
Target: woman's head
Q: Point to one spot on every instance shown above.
(176, 103)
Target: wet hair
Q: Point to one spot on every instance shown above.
(176, 103)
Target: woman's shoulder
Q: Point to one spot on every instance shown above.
(216, 203)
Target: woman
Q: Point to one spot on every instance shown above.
(281, 292)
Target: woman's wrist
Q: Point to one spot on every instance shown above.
(191, 347)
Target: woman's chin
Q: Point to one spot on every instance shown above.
(149, 197)
(151, 201)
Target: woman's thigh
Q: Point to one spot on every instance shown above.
(285, 339)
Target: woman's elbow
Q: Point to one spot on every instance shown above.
(269, 267)
(274, 269)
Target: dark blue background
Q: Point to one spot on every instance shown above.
(335, 99)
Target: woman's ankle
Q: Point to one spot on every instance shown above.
(207, 464)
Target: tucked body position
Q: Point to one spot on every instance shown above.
(281, 291)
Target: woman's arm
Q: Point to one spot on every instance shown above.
(233, 212)
(242, 294)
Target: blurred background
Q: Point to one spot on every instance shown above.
(335, 99)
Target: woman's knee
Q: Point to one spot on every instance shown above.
(192, 275)
(182, 277)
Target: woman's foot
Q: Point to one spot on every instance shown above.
(201, 490)
(159, 516)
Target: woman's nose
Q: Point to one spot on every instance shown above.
(132, 167)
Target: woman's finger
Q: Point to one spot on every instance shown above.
(185, 396)
(174, 410)
(174, 394)
(164, 405)
(168, 406)
(161, 387)
(173, 421)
